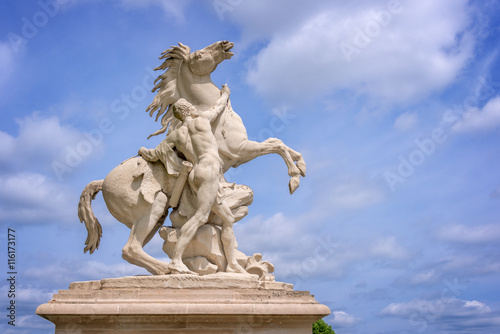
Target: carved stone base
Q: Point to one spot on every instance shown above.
(218, 303)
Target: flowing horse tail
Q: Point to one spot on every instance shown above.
(86, 215)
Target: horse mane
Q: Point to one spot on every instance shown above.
(167, 86)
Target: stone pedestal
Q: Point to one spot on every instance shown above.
(218, 303)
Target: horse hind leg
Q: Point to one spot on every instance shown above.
(142, 231)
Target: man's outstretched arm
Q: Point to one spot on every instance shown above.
(212, 113)
(153, 154)
(149, 154)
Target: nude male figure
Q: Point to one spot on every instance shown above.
(194, 139)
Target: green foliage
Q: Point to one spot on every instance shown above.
(321, 327)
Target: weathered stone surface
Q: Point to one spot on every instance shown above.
(200, 265)
(205, 253)
(182, 281)
(218, 303)
(206, 242)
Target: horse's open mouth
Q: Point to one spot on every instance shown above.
(227, 46)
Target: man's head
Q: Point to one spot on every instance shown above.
(183, 108)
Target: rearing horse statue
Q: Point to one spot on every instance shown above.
(187, 75)
(129, 189)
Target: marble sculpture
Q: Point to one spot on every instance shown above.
(183, 177)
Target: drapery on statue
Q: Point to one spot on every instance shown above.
(185, 173)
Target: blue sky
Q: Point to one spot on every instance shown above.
(395, 106)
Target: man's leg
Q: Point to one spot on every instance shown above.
(227, 236)
(207, 193)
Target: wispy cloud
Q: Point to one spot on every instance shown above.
(66, 271)
(470, 234)
(424, 278)
(475, 120)
(353, 195)
(27, 324)
(40, 141)
(405, 121)
(342, 319)
(29, 198)
(388, 247)
(173, 9)
(449, 315)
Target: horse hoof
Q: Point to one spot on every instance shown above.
(180, 269)
(164, 272)
(294, 184)
(301, 165)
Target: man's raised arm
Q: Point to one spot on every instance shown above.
(212, 113)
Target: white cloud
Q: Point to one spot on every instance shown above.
(420, 50)
(476, 120)
(259, 18)
(44, 142)
(353, 195)
(44, 135)
(171, 8)
(405, 121)
(476, 265)
(28, 192)
(7, 144)
(474, 305)
(436, 270)
(32, 322)
(453, 315)
(404, 309)
(65, 271)
(426, 277)
(29, 297)
(281, 234)
(388, 247)
(34, 198)
(33, 295)
(470, 234)
(342, 319)
(298, 253)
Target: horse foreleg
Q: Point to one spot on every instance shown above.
(142, 231)
(249, 150)
(299, 161)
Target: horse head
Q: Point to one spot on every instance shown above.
(205, 61)
(183, 67)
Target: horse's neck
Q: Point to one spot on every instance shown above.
(199, 91)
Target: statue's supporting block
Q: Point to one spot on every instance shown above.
(218, 303)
